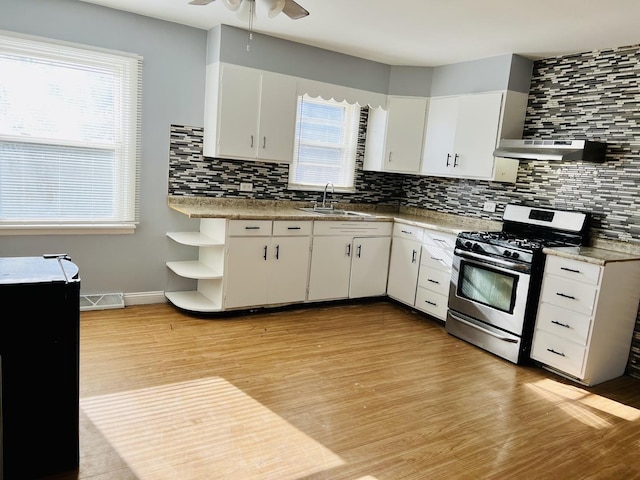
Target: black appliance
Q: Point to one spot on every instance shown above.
(39, 358)
(497, 276)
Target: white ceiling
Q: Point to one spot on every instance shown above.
(426, 32)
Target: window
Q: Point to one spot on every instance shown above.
(69, 136)
(325, 145)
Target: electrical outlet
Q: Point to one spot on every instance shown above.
(489, 206)
(246, 187)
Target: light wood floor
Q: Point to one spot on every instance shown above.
(370, 391)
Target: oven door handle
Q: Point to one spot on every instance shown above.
(473, 325)
(518, 267)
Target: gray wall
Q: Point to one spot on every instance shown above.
(173, 91)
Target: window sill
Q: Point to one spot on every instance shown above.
(75, 229)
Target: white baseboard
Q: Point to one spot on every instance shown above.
(144, 298)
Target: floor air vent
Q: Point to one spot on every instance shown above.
(101, 301)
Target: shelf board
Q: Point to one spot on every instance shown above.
(193, 301)
(194, 269)
(194, 239)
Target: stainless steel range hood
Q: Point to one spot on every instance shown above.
(568, 150)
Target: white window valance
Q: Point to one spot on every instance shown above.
(339, 93)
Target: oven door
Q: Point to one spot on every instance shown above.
(493, 291)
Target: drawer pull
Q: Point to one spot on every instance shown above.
(431, 303)
(439, 240)
(557, 353)
(265, 253)
(293, 228)
(277, 252)
(561, 324)
(433, 281)
(436, 259)
(570, 270)
(407, 232)
(252, 228)
(564, 295)
(413, 256)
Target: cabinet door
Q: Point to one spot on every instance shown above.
(330, 268)
(369, 266)
(440, 136)
(404, 136)
(403, 270)
(477, 134)
(238, 107)
(246, 273)
(288, 269)
(277, 124)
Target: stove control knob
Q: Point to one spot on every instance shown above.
(514, 255)
(467, 244)
(476, 247)
(507, 253)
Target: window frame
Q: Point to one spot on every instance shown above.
(350, 123)
(126, 68)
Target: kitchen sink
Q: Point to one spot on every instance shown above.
(333, 211)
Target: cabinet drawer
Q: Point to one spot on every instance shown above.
(291, 228)
(432, 303)
(440, 239)
(563, 323)
(408, 231)
(434, 280)
(558, 352)
(575, 296)
(356, 229)
(250, 228)
(436, 257)
(573, 269)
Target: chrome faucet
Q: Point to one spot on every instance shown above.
(324, 196)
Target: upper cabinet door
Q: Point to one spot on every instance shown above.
(238, 109)
(249, 114)
(277, 125)
(405, 127)
(440, 135)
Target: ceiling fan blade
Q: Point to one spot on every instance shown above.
(200, 2)
(293, 10)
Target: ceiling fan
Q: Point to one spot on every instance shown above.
(247, 7)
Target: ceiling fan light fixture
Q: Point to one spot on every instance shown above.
(274, 7)
(247, 11)
(232, 5)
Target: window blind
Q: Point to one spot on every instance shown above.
(325, 144)
(69, 134)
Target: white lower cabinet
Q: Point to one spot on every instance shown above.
(434, 276)
(420, 268)
(405, 262)
(349, 259)
(266, 263)
(586, 318)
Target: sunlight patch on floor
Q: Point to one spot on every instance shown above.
(583, 405)
(205, 428)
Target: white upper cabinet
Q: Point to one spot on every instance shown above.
(462, 132)
(249, 114)
(395, 136)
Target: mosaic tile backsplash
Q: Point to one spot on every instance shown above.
(594, 95)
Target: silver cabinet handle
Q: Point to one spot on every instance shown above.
(433, 281)
(431, 303)
(252, 228)
(359, 251)
(277, 252)
(264, 142)
(448, 157)
(455, 160)
(560, 324)
(413, 256)
(569, 270)
(348, 250)
(265, 252)
(251, 141)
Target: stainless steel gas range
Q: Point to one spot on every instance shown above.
(496, 277)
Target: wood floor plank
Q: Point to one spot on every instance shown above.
(364, 391)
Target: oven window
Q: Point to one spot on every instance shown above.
(487, 286)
